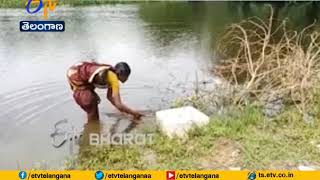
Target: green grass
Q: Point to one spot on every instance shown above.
(21, 3)
(93, 2)
(11, 4)
(261, 142)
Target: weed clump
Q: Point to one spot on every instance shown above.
(265, 61)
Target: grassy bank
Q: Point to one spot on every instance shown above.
(243, 139)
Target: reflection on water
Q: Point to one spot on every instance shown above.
(90, 128)
(165, 43)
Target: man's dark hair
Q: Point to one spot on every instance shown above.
(122, 68)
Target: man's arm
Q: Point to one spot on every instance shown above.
(113, 95)
(115, 99)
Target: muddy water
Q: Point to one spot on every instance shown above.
(34, 94)
(167, 46)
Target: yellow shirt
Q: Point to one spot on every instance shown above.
(113, 82)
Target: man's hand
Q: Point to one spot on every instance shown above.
(137, 115)
(115, 99)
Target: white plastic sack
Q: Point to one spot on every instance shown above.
(179, 120)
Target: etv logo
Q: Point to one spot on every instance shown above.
(45, 4)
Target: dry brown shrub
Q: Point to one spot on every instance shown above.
(261, 59)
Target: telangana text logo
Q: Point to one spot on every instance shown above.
(42, 26)
(33, 7)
